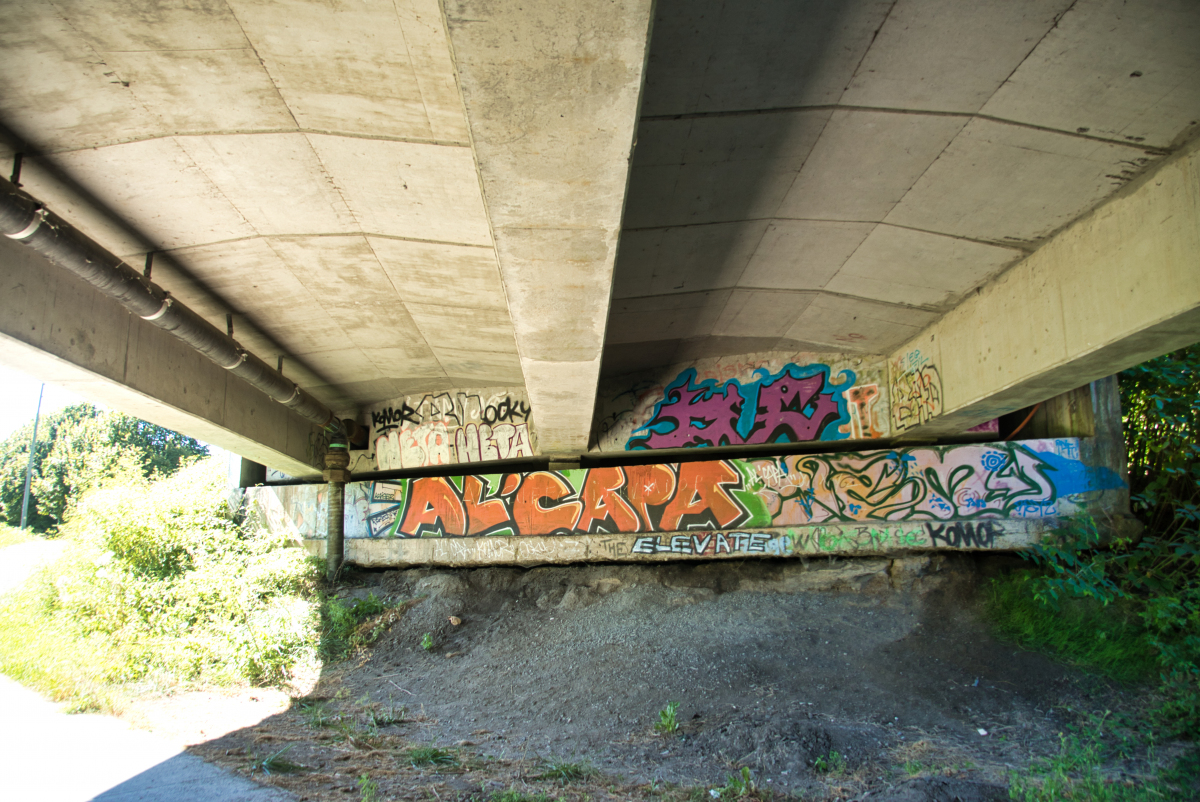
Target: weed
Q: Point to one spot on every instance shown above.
(368, 789)
(832, 764)
(667, 722)
(427, 641)
(431, 756)
(737, 785)
(386, 716)
(276, 763)
(913, 767)
(566, 772)
(317, 715)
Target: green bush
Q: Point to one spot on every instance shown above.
(159, 585)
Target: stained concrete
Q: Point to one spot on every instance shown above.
(411, 197)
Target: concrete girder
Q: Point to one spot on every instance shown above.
(1118, 287)
(53, 325)
(551, 95)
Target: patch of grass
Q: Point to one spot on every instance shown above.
(341, 625)
(832, 764)
(1075, 773)
(913, 767)
(431, 756)
(667, 722)
(1110, 639)
(11, 536)
(566, 772)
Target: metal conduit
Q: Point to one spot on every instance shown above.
(27, 221)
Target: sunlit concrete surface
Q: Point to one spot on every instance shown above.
(49, 756)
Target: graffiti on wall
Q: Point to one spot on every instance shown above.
(983, 534)
(915, 387)
(796, 404)
(447, 429)
(864, 413)
(934, 484)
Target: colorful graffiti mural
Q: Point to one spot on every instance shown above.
(915, 388)
(936, 484)
(447, 429)
(795, 404)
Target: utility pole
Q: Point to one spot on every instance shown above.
(29, 468)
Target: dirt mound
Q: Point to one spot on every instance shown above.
(826, 679)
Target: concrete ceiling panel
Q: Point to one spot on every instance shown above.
(61, 198)
(343, 365)
(667, 317)
(621, 358)
(275, 181)
(865, 162)
(405, 363)
(706, 347)
(850, 324)
(57, 91)
(149, 25)
(156, 183)
(710, 56)
(802, 254)
(695, 194)
(761, 313)
(359, 74)
(1006, 183)
(718, 169)
(485, 330)
(915, 268)
(402, 189)
(371, 314)
(200, 91)
(443, 275)
(670, 260)
(471, 367)
(946, 55)
(1125, 69)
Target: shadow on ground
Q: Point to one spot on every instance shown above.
(869, 678)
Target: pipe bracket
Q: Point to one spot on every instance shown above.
(241, 358)
(162, 310)
(38, 217)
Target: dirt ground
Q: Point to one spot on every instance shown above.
(848, 679)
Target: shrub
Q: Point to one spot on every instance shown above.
(158, 584)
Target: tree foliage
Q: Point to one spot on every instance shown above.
(77, 448)
(1158, 574)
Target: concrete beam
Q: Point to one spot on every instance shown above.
(1118, 287)
(551, 93)
(56, 327)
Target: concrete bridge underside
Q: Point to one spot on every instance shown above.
(496, 231)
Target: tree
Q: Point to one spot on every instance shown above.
(77, 448)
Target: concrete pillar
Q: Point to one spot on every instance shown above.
(336, 460)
